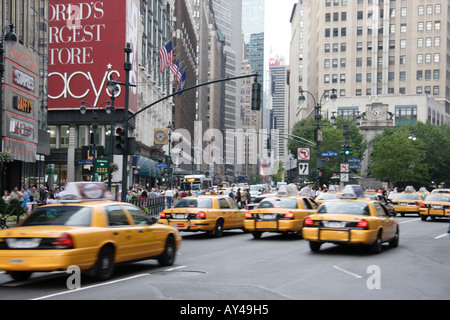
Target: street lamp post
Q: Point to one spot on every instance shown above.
(110, 109)
(111, 85)
(317, 131)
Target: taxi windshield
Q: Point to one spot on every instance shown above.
(345, 207)
(278, 203)
(194, 203)
(407, 196)
(60, 216)
(439, 197)
(327, 196)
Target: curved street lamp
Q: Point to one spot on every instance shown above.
(318, 125)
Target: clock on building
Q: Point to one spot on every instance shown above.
(161, 136)
(377, 112)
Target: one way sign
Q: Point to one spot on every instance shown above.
(303, 169)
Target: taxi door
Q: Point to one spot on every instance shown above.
(146, 240)
(119, 229)
(387, 222)
(228, 214)
(239, 215)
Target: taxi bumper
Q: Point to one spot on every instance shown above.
(341, 235)
(44, 260)
(190, 224)
(431, 212)
(273, 225)
(406, 209)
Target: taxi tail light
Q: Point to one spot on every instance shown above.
(201, 215)
(416, 203)
(363, 224)
(309, 222)
(64, 241)
(423, 205)
(162, 214)
(248, 215)
(289, 215)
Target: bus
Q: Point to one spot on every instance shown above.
(196, 182)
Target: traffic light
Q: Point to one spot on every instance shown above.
(347, 150)
(256, 96)
(120, 141)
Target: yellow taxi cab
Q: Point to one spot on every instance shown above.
(324, 196)
(283, 213)
(351, 219)
(86, 230)
(407, 202)
(210, 213)
(435, 205)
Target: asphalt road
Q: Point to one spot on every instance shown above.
(275, 267)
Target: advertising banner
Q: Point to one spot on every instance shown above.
(86, 48)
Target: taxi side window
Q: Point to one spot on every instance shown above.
(137, 214)
(379, 209)
(116, 216)
(223, 204)
(233, 204)
(306, 204)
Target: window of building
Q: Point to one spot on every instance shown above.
(435, 90)
(402, 76)
(419, 75)
(53, 135)
(405, 114)
(64, 136)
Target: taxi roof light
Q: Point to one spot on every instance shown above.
(85, 191)
(287, 190)
(352, 191)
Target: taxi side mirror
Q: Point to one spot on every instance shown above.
(152, 220)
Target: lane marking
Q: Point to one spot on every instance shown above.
(90, 287)
(409, 221)
(171, 269)
(348, 272)
(441, 236)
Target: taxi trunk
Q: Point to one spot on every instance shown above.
(279, 220)
(41, 248)
(341, 228)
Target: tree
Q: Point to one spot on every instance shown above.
(399, 158)
(333, 138)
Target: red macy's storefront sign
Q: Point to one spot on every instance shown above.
(86, 47)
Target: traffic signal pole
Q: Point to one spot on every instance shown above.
(128, 117)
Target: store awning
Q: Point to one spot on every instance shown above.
(146, 167)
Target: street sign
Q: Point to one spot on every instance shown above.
(304, 153)
(355, 166)
(344, 177)
(160, 165)
(303, 169)
(329, 154)
(354, 160)
(345, 168)
(101, 166)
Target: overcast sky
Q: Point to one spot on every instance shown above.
(278, 27)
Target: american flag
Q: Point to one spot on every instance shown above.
(165, 57)
(174, 68)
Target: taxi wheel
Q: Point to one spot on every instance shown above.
(257, 234)
(376, 246)
(394, 242)
(218, 229)
(104, 267)
(20, 275)
(423, 217)
(315, 246)
(168, 256)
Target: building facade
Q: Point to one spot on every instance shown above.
(24, 93)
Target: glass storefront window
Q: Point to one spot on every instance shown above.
(82, 136)
(52, 130)
(64, 136)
